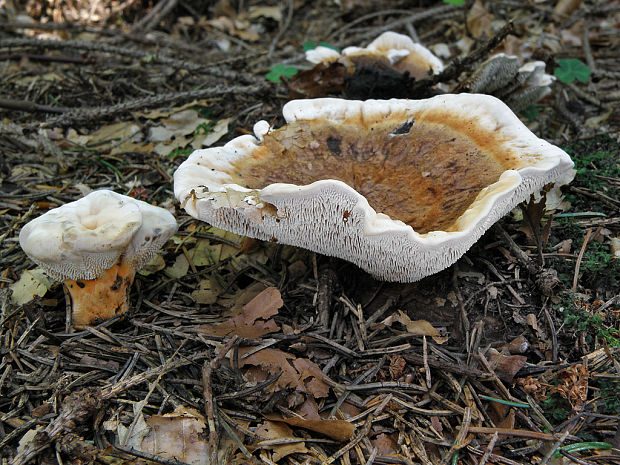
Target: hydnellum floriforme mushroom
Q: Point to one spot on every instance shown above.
(402, 53)
(402, 188)
(95, 245)
(387, 67)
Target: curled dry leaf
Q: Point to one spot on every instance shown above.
(339, 430)
(479, 19)
(178, 436)
(300, 374)
(416, 327)
(386, 444)
(507, 366)
(573, 385)
(277, 431)
(254, 320)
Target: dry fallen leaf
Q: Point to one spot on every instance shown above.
(219, 130)
(300, 374)
(339, 430)
(479, 20)
(273, 12)
(615, 247)
(108, 135)
(177, 436)
(274, 431)
(155, 264)
(254, 320)
(207, 292)
(31, 283)
(312, 376)
(179, 268)
(175, 132)
(506, 366)
(416, 327)
(386, 444)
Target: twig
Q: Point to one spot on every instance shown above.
(459, 369)
(81, 405)
(459, 441)
(86, 115)
(584, 95)
(22, 105)
(554, 336)
(559, 106)
(338, 347)
(587, 50)
(361, 19)
(207, 370)
(555, 447)
(489, 449)
(579, 258)
(458, 65)
(154, 17)
(44, 58)
(570, 456)
(412, 19)
(521, 256)
(150, 457)
(284, 26)
(207, 68)
(362, 433)
(153, 385)
(427, 370)
(327, 283)
(519, 433)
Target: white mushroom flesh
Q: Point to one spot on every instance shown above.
(400, 187)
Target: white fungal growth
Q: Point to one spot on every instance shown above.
(398, 49)
(81, 239)
(329, 216)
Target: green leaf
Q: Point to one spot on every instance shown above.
(455, 2)
(325, 44)
(531, 113)
(570, 69)
(278, 71)
(309, 45)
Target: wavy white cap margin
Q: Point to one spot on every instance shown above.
(82, 239)
(330, 217)
(395, 47)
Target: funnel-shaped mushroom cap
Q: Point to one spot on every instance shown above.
(402, 188)
(82, 239)
(398, 49)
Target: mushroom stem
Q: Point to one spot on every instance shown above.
(98, 299)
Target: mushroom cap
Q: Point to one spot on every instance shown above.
(81, 239)
(401, 52)
(402, 188)
(535, 72)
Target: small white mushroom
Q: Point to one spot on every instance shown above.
(399, 50)
(95, 245)
(402, 188)
(518, 86)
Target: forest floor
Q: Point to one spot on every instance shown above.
(238, 351)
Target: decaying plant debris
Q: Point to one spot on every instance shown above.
(236, 351)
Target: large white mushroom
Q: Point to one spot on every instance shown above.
(95, 245)
(402, 188)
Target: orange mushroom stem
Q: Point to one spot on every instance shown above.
(94, 300)
(95, 245)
